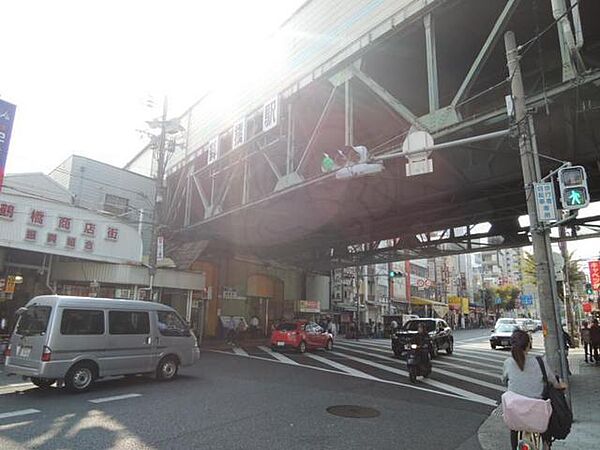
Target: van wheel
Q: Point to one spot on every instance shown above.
(43, 383)
(167, 368)
(80, 377)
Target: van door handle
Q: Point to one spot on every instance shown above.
(148, 340)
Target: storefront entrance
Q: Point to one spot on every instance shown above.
(264, 301)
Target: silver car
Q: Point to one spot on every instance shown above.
(77, 340)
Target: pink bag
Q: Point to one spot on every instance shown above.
(522, 413)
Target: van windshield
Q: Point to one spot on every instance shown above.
(33, 321)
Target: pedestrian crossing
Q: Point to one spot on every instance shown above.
(473, 372)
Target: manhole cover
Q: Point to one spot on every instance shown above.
(354, 411)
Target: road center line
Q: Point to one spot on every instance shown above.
(22, 412)
(116, 397)
(278, 356)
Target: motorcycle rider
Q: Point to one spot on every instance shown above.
(422, 338)
(423, 341)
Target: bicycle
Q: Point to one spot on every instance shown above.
(529, 440)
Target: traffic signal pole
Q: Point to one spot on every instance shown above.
(540, 236)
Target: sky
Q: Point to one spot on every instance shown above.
(80, 72)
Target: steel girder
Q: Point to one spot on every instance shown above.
(325, 117)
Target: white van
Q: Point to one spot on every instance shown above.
(77, 340)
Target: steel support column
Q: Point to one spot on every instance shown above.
(289, 163)
(245, 183)
(395, 104)
(317, 128)
(486, 50)
(188, 201)
(432, 72)
(348, 114)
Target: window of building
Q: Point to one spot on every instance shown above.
(128, 322)
(115, 204)
(82, 322)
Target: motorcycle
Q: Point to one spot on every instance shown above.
(418, 362)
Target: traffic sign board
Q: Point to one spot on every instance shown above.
(526, 299)
(545, 202)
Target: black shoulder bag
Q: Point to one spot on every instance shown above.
(561, 419)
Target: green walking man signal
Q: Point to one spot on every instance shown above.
(588, 289)
(573, 188)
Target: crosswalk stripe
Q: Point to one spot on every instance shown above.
(116, 397)
(495, 375)
(388, 351)
(342, 367)
(458, 376)
(278, 356)
(240, 351)
(22, 412)
(472, 398)
(481, 358)
(428, 381)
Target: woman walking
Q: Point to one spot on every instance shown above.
(524, 376)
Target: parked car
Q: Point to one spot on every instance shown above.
(77, 340)
(300, 336)
(526, 324)
(501, 335)
(439, 332)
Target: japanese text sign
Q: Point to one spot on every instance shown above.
(595, 274)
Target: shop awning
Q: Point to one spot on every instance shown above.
(126, 274)
(440, 308)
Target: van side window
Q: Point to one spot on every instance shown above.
(169, 324)
(82, 322)
(128, 322)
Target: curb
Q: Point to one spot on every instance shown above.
(493, 433)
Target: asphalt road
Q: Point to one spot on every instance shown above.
(247, 398)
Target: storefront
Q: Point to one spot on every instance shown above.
(176, 288)
(49, 246)
(424, 307)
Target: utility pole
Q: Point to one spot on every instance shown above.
(357, 282)
(390, 290)
(540, 236)
(158, 198)
(573, 331)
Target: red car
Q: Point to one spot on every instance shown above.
(300, 336)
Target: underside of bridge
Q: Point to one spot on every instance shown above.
(443, 71)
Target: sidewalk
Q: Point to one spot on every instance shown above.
(585, 395)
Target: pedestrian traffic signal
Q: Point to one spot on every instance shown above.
(573, 188)
(394, 274)
(327, 164)
(588, 289)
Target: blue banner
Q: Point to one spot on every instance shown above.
(7, 116)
